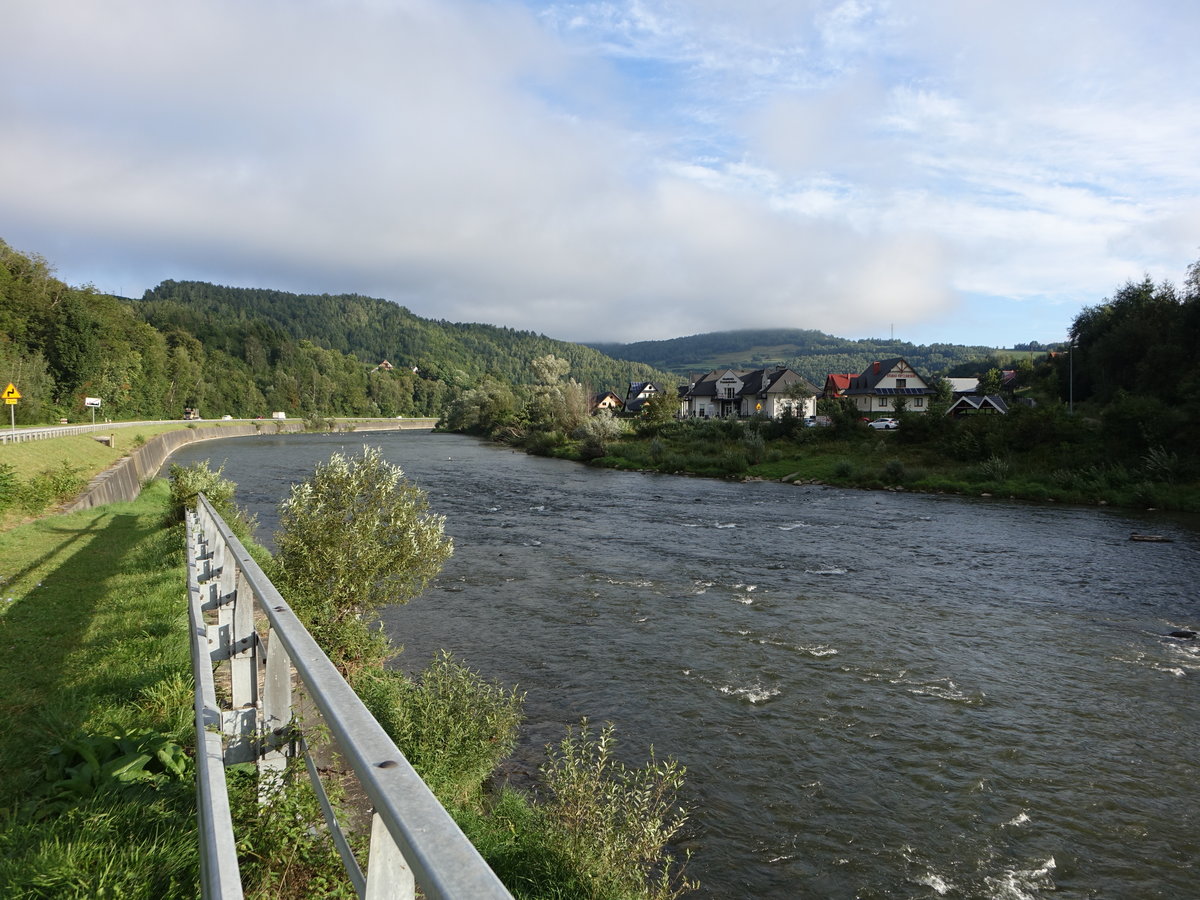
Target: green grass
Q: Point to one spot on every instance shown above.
(1058, 472)
(94, 641)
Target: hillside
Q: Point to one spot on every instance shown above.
(813, 354)
(242, 321)
(246, 353)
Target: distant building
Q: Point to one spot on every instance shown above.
(771, 393)
(876, 390)
(608, 400)
(836, 385)
(975, 404)
(639, 393)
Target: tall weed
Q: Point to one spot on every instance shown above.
(614, 823)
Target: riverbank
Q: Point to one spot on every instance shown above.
(75, 472)
(885, 460)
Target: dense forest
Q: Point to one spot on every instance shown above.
(813, 354)
(239, 352)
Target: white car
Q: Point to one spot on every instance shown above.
(884, 424)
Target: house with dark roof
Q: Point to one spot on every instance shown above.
(875, 392)
(977, 404)
(640, 392)
(732, 393)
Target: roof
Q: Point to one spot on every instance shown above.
(838, 381)
(877, 371)
(977, 403)
(754, 381)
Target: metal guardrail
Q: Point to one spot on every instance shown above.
(22, 435)
(413, 839)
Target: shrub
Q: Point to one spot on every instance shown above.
(1161, 464)
(451, 724)
(189, 481)
(893, 471)
(318, 422)
(843, 468)
(613, 823)
(10, 486)
(754, 446)
(597, 432)
(994, 469)
(50, 486)
(355, 536)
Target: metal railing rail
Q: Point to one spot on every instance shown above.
(24, 435)
(413, 839)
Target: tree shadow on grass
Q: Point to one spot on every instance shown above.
(52, 653)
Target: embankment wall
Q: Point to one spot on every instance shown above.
(123, 481)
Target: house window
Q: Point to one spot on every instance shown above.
(918, 401)
(883, 403)
(901, 382)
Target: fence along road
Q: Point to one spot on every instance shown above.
(413, 839)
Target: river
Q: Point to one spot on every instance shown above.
(875, 694)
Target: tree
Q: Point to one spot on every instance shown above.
(662, 407)
(992, 382)
(556, 405)
(356, 536)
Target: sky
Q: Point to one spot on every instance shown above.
(933, 170)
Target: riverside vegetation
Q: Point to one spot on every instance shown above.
(98, 695)
(1114, 420)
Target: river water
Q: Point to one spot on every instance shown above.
(875, 694)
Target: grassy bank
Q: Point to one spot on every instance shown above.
(94, 647)
(37, 475)
(1034, 456)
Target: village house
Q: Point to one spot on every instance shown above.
(639, 392)
(978, 404)
(836, 385)
(771, 393)
(607, 401)
(876, 391)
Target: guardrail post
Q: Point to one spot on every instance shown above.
(388, 875)
(276, 721)
(242, 720)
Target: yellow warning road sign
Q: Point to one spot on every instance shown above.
(11, 394)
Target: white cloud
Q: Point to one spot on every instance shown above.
(611, 170)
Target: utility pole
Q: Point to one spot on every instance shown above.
(1071, 379)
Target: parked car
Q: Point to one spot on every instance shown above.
(884, 424)
(817, 421)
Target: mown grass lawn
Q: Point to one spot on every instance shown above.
(94, 643)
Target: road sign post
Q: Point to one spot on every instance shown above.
(11, 395)
(93, 403)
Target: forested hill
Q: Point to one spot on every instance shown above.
(813, 354)
(237, 352)
(243, 322)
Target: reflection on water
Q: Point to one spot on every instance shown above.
(875, 694)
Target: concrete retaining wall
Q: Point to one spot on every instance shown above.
(123, 481)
